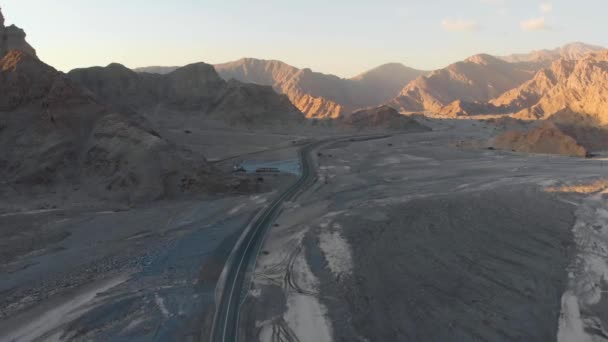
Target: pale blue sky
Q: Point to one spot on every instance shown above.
(331, 36)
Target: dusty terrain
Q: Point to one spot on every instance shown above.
(409, 239)
(406, 237)
(83, 269)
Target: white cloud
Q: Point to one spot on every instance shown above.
(534, 24)
(459, 25)
(546, 7)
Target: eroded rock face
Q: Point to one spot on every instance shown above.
(13, 38)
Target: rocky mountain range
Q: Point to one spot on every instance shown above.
(320, 95)
(194, 88)
(55, 133)
(566, 85)
(87, 131)
(544, 58)
(316, 94)
(577, 86)
(478, 78)
(458, 89)
(466, 87)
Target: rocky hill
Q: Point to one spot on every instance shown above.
(547, 138)
(478, 78)
(320, 95)
(55, 133)
(383, 117)
(194, 88)
(13, 38)
(381, 84)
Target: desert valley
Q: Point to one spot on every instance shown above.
(253, 200)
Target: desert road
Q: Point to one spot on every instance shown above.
(226, 319)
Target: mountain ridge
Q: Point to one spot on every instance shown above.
(195, 87)
(477, 78)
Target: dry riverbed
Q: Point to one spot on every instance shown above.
(413, 239)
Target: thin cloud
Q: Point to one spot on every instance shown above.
(534, 24)
(460, 25)
(546, 7)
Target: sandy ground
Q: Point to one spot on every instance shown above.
(423, 236)
(139, 274)
(79, 269)
(411, 238)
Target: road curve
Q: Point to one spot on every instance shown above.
(226, 318)
(225, 321)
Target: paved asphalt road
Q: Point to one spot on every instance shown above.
(225, 321)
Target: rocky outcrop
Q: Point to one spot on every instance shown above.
(56, 134)
(383, 117)
(194, 88)
(548, 139)
(477, 79)
(13, 38)
(320, 95)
